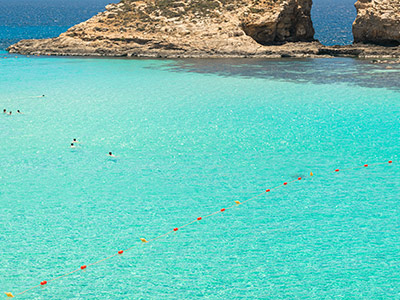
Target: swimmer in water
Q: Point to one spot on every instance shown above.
(19, 112)
(75, 141)
(4, 111)
(10, 113)
(72, 145)
(110, 154)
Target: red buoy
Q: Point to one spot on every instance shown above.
(285, 183)
(299, 178)
(120, 251)
(267, 191)
(175, 229)
(223, 209)
(43, 282)
(337, 170)
(365, 165)
(199, 218)
(390, 161)
(83, 267)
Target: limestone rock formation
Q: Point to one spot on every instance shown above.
(183, 28)
(290, 23)
(377, 22)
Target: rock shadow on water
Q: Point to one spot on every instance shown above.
(351, 71)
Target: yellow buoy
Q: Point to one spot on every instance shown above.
(311, 174)
(237, 202)
(143, 240)
(9, 295)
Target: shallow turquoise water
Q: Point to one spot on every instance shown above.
(192, 137)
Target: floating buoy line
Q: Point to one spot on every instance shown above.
(198, 219)
(28, 97)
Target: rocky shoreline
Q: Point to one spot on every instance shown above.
(217, 29)
(288, 50)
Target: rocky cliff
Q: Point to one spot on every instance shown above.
(184, 28)
(377, 22)
(218, 28)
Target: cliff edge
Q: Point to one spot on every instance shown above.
(377, 22)
(183, 28)
(219, 28)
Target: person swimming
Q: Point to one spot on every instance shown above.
(4, 111)
(10, 113)
(110, 154)
(75, 141)
(19, 112)
(72, 145)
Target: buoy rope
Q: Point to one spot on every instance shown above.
(120, 252)
(26, 97)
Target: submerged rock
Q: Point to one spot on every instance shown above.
(377, 22)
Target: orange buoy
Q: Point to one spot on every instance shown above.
(365, 165)
(143, 240)
(175, 229)
(223, 209)
(44, 282)
(268, 190)
(390, 161)
(337, 170)
(83, 267)
(299, 178)
(120, 251)
(285, 183)
(199, 218)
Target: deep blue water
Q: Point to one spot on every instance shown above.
(333, 21)
(21, 19)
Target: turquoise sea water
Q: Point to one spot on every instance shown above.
(192, 137)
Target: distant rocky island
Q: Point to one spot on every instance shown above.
(220, 28)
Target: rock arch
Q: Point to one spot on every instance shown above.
(377, 22)
(216, 28)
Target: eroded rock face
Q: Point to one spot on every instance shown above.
(290, 23)
(377, 22)
(187, 28)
